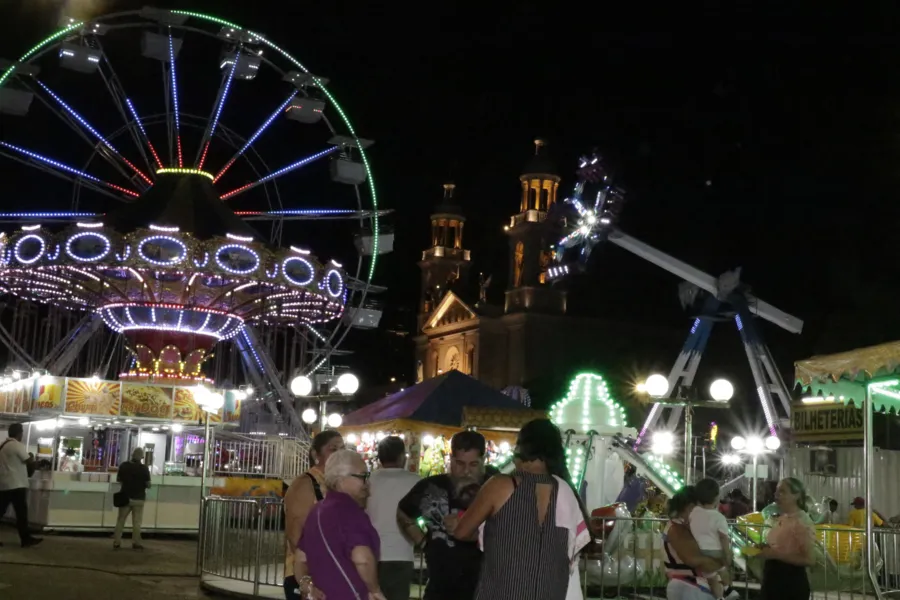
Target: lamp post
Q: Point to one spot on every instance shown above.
(209, 402)
(754, 446)
(721, 391)
(302, 386)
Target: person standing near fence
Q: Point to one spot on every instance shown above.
(304, 492)
(788, 550)
(387, 486)
(16, 464)
(135, 479)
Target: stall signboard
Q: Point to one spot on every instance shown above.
(241, 487)
(15, 398)
(187, 409)
(93, 397)
(48, 393)
(144, 401)
(232, 407)
(826, 422)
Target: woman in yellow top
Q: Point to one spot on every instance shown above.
(857, 516)
(301, 496)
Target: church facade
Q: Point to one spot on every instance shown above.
(530, 336)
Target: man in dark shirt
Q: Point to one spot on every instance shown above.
(135, 479)
(453, 565)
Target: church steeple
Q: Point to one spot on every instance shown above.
(530, 237)
(446, 261)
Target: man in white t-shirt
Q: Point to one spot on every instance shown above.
(387, 486)
(15, 461)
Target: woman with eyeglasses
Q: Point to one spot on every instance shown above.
(337, 557)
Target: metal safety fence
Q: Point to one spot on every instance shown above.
(242, 550)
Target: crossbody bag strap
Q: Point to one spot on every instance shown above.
(334, 558)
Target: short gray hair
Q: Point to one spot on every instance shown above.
(341, 464)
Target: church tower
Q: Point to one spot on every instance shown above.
(530, 238)
(445, 262)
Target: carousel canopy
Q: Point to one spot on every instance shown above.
(438, 400)
(845, 375)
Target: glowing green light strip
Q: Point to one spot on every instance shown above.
(331, 98)
(37, 47)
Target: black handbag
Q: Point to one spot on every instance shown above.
(120, 499)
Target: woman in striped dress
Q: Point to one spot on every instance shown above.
(527, 550)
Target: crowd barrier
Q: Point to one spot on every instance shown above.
(241, 551)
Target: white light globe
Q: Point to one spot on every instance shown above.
(662, 443)
(309, 416)
(755, 445)
(177, 428)
(738, 443)
(214, 401)
(84, 421)
(427, 440)
(301, 385)
(347, 384)
(335, 420)
(657, 385)
(352, 439)
(731, 459)
(721, 390)
(773, 443)
(504, 447)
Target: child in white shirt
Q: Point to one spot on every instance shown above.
(710, 530)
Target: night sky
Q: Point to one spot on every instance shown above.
(774, 151)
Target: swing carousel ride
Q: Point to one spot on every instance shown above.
(163, 239)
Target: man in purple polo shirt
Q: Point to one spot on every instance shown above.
(339, 549)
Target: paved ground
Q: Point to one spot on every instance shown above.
(87, 568)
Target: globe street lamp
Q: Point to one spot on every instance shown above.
(304, 386)
(754, 446)
(721, 391)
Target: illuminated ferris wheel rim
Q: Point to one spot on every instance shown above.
(55, 40)
(120, 21)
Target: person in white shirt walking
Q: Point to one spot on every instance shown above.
(387, 486)
(15, 463)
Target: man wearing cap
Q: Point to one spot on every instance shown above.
(857, 516)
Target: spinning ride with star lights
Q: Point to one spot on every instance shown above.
(594, 208)
(155, 243)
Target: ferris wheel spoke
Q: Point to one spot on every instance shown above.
(280, 172)
(221, 98)
(73, 114)
(173, 88)
(255, 136)
(120, 99)
(310, 214)
(65, 171)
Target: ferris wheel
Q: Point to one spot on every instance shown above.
(202, 131)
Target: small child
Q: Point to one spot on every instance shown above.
(710, 530)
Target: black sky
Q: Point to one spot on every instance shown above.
(741, 141)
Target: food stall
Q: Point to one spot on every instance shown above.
(104, 421)
(428, 414)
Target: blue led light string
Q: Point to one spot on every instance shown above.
(175, 99)
(280, 172)
(140, 125)
(93, 131)
(256, 135)
(208, 136)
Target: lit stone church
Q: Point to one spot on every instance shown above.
(530, 336)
